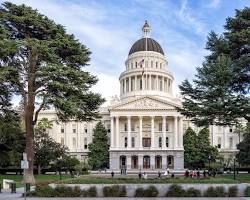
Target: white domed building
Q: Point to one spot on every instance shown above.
(145, 129)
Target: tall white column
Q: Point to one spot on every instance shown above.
(129, 132)
(135, 82)
(152, 132)
(112, 138)
(224, 137)
(180, 132)
(125, 85)
(140, 131)
(117, 131)
(167, 85)
(175, 132)
(163, 84)
(164, 131)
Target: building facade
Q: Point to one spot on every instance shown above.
(145, 129)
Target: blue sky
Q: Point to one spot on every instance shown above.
(110, 27)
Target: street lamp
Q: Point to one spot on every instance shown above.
(209, 160)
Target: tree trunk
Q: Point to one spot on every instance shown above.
(39, 169)
(29, 114)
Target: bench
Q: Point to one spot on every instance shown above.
(7, 183)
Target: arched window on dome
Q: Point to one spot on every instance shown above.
(140, 84)
(131, 65)
(135, 64)
(160, 85)
(156, 64)
(160, 65)
(152, 63)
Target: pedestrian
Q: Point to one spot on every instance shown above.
(139, 175)
(214, 173)
(172, 175)
(204, 173)
(198, 174)
(112, 174)
(159, 174)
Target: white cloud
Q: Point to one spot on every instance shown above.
(213, 4)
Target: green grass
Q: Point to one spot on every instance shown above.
(100, 180)
(39, 178)
(243, 178)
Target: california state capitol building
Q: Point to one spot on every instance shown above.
(144, 128)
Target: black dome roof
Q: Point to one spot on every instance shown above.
(140, 45)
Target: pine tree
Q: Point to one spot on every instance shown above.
(243, 156)
(43, 64)
(219, 93)
(99, 148)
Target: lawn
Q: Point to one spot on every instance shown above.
(243, 178)
(105, 180)
(39, 178)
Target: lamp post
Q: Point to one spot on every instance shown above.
(209, 159)
(234, 170)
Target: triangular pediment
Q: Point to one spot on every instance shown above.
(145, 103)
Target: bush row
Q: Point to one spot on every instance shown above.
(120, 191)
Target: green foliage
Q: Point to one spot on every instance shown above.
(67, 162)
(46, 149)
(219, 93)
(98, 155)
(192, 192)
(218, 191)
(198, 149)
(114, 191)
(233, 191)
(12, 140)
(247, 191)
(62, 191)
(175, 191)
(151, 191)
(243, 156)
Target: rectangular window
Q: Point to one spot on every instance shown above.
(74, 142)
(230, 130)
(62, 141)
(167, 142)
(85, 143)
(125, 127)
(219, 143)
(160, 142)
(74, 128)
(62, 129)
(231, 143)
(146, 142)
(132, 127)
(152, 64)
(133, 142)
(167, 128)
(125, 141)
(86, 130)
(160, 127)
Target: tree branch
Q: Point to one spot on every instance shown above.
(38, 110)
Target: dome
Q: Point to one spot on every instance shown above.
(140, 45)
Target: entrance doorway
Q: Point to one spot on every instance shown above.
(146, 162)
(158, 162)
(123, 162)
(134, 162)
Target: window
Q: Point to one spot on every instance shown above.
(167, 142)
(125, 127)
(156, 64)
(74, 128)
(160, 127)
(230, 142)
(62, 141)
(135, 64)
(152, 64)
(160, 142)
(160, 65)
(219, 143)
(132, 127)
(62, 129)
(167, 129)
(230, 130)
(74, 142)
(132, 142)
(85, 143)
(140, 84)
(86, 130)
(125, 141)
(146, 142)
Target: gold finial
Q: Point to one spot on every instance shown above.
(146, 29)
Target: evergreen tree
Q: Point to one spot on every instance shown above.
(243, 156)
(99, 148)
(44, 65)
(219, 93)
(190, 144)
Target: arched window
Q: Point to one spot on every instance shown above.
(146, 162)
(132, 142)
(135, 64)
(158, 162)
(134, 162)
(125, 142)
(123, 162)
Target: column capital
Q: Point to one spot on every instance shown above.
(164, 116)
(152, 117)
(128, 117)
(140, 117)
(117, 117)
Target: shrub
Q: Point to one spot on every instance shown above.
(175, 191)
(233, 191)
(43, 191)
(92, 192)
(215, 192)
(191, 192)
(62, 191)
(151, 191)
(114, 191)
(247, 191)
